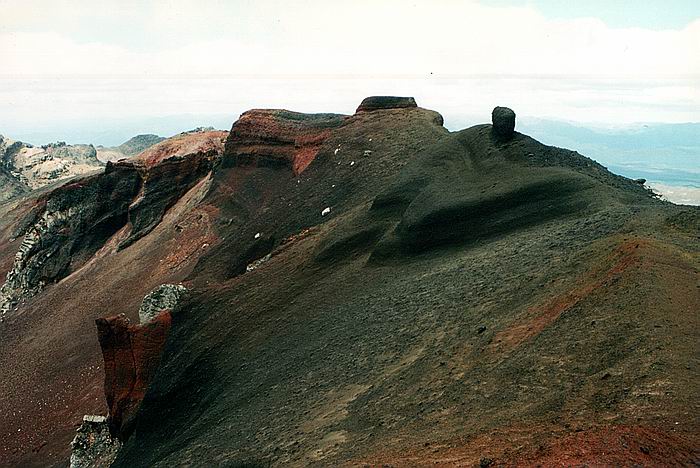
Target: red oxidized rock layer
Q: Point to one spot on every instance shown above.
(131, 355)
(264, 137)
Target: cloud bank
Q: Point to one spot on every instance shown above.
(107, 59)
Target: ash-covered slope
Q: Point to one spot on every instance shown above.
(367, 289)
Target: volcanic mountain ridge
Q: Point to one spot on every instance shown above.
(360, 289)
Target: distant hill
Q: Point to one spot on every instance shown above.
(131, 147)
(662, 153)
(38, 166)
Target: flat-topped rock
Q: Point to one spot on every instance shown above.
(373, 103)
(278, 138)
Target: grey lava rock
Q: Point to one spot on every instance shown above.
(93, 445)
(503, 120)
(164, 297)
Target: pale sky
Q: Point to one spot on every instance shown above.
(608, 62)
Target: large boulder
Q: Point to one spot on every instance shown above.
(373, 103)
(164, 297)
(503, 120)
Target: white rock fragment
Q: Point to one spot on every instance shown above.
(257, 235)
(94, 418)
(367, 153)
(336, 150)
(325, 211)
(252, 266)
(352, 163)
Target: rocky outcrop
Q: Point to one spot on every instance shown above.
(93, 445)
(131, 357)
(129, 148)
(131, 354)
(374, 103)
(39, 166)
(278, 138)
(503, 120)
(10, 186)
(164, 297)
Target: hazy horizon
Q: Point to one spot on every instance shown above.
(597, 63)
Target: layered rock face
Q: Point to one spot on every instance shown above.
(40, 166)
(198, 141)
(373, 103)
(503, 120)
(167, 171)
(278, 138)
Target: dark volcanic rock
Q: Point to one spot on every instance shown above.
(131, 356)
(373, 103)
(168, 170)
(503, 120)
(278, 138)
(163, 185)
